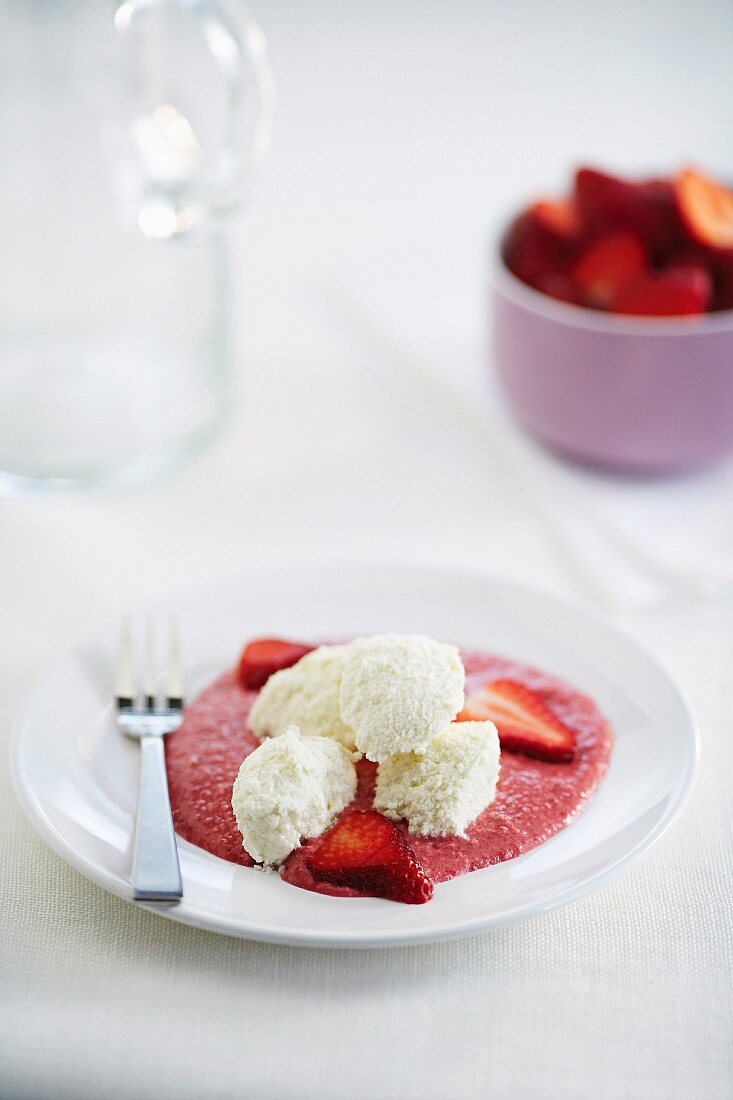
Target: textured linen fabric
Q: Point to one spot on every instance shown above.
(399, 138)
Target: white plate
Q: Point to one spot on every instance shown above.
(76, 776)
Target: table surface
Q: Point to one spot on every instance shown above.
(404, 130)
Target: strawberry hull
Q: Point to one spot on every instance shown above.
(535, 798)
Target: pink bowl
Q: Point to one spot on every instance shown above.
(642, 395)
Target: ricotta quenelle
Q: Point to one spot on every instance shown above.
(290, 787)
(306, 695)
(445, 789)
(398, 691)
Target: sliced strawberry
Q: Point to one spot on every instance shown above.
(368, 852)
(606, 264)
(648, 207)
(723, 293)
(561, 287)
(524, 720)
(530, 251)
(692, 257)
(706, 209)
(654, 214)
(558, 217)
(267, 655)
(602, 198)
(681, 291)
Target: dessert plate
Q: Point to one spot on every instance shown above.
(76, 776)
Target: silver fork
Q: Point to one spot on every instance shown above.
(156, 874)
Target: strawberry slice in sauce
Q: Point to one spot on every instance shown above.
(369, 853)
(525, 722)
(706, 208)
(264, 656)
(677, 292)
(607, 263)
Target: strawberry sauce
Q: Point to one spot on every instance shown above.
(535, 799)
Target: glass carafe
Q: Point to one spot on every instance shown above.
(130, 135)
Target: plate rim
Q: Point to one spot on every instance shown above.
(330, 938)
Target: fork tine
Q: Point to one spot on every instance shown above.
(149, 666)
(125, 688)
(174, 686)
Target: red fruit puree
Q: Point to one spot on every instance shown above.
(535, 799)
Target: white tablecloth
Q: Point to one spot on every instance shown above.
(403, 129)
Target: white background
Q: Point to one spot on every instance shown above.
(404, 132)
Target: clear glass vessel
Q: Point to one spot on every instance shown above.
(130, 136)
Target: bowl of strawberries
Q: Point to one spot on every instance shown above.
(613, 321)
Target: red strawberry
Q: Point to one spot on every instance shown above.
(525, 722)
(689, 257)
(530, 251)
(723, 296)
(561, 287)
(559, 217)
(648, 207)
(684, 290)
(606, 264)
(656, 217)
(706, 209)
(601, 199)
(267, 655)
(369, 853)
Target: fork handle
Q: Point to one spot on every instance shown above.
(156, 874)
